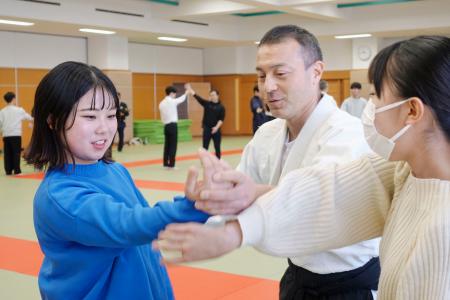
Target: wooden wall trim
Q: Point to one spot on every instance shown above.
(168, 74)
(8, 77)
(236, 103)
(341, 74)
(225, 74)
(230, 74)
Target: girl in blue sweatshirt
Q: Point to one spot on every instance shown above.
(93, 225)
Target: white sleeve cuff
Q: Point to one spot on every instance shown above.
(251, 221)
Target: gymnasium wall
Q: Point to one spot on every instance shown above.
(337, 55)
(145, 58)
(26, 57)
(39, 51)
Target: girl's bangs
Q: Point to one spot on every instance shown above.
(108, 100)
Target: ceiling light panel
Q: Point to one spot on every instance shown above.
(97, 31)
(17, 23)
(171, 39)
(353, 36)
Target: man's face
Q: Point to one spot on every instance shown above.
(213, 97)
(356, 93)
(285, 85)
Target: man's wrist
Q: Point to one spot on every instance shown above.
(261, 189)
(234, 234)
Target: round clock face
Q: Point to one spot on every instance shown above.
(364, 53)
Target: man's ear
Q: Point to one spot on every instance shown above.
(317, 69)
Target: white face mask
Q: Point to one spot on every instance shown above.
(380, 144)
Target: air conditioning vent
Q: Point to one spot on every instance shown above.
(119, 12)
(190, 22)
(43, 2)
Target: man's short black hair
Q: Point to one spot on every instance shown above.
(304, 38)
(355, 85)
(170, 89)
(9, 97)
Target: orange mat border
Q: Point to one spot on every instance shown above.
(140, 163)
(159, 185)
(25, 257)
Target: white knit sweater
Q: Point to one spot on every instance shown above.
(313, 210)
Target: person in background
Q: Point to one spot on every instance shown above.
(11, 118)
(257, 108)
(268, 113)
(323, 86)
(123, 113)
(354, 104)
(213, 117)
(169, 117)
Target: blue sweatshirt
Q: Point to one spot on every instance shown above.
(95, 229)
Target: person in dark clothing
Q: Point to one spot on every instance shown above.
(268, 114)
(122, 114)
(257, 107)
(213, 116)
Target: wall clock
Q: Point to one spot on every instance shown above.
(364, 52)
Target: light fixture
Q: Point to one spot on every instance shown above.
(98, 31)
(257, 43)
(353, 36)
(18, 23)
(171, 39)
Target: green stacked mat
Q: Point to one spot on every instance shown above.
(152, 131)
(184, 130)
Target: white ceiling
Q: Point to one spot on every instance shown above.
(322, 17)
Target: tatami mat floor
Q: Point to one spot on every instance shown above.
(243, 274)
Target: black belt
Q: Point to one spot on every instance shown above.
(299, 283)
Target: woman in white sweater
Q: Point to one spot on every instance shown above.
(401, 194)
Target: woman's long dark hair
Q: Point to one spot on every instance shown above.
(56, 97)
